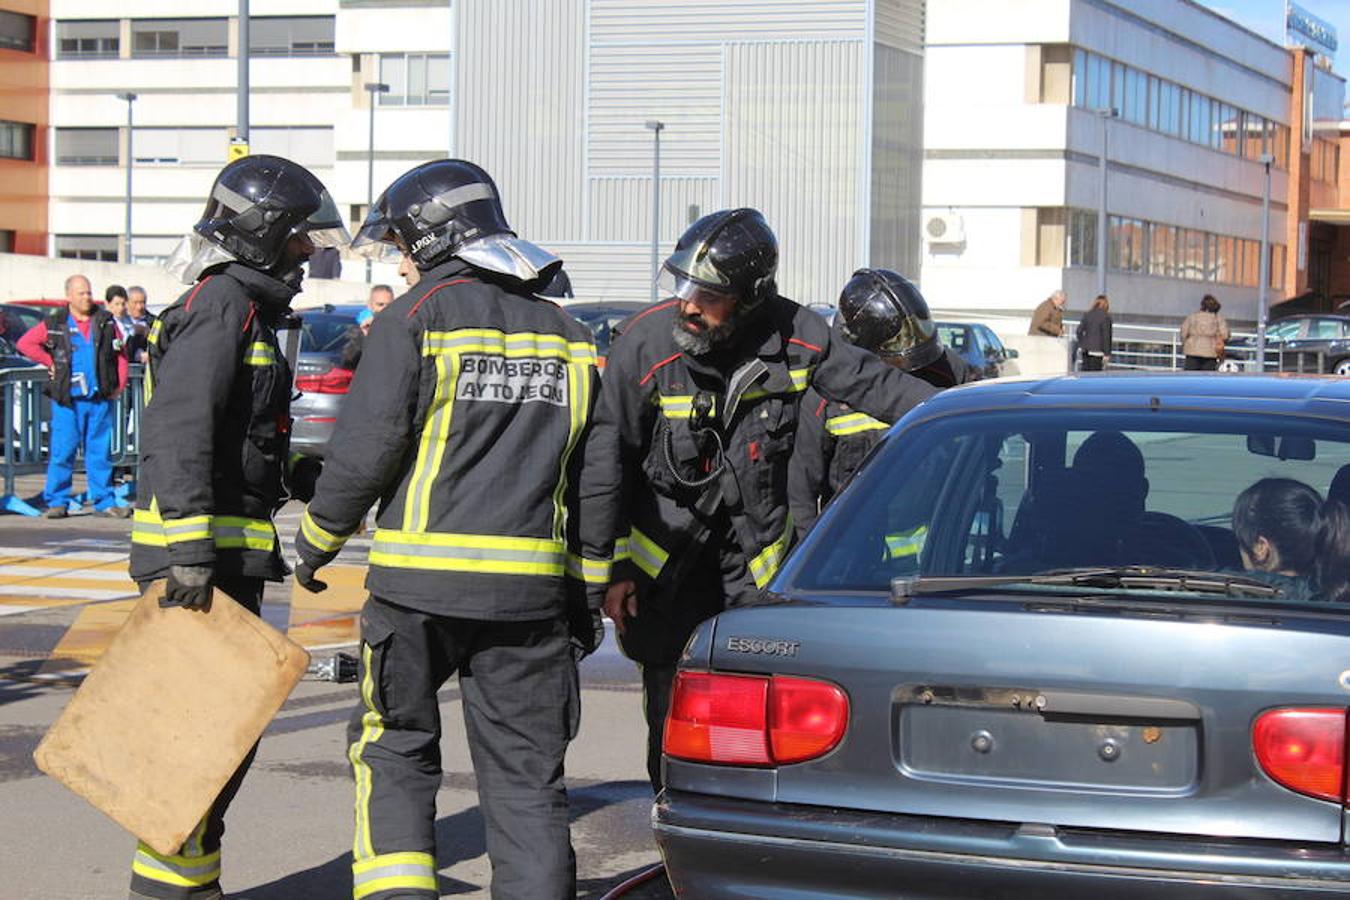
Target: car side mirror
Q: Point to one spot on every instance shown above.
(1010, 353)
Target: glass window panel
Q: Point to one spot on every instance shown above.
(203, 146)
(16, 140)
(1117, 86)
(1223, 260)
(1252, 128)
(393, 72)
(291, 35)
(87, 147)
(87, 246)
(1082, 237)
(87, 38)
(438, 80)
(417, 80)
(1153, 120)
(1278, 260)
(156, 145)
(1079, 78)
(16, 31)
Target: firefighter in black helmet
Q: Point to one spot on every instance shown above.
(684, 506)
(472, 395)
(882, 312)
(215, 430)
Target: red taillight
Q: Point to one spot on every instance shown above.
(750, 720)
(334, 381)
(1304, 750)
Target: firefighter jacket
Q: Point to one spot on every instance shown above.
(667, 421)
(107, 347)
(462, 419)
(215, 430)
(834, 439)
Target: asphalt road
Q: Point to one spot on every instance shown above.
(290, 829)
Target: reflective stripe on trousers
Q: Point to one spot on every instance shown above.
(393, 872)
(765, 565)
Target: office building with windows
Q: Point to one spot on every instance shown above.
(23, 126)
(807, 109)
(1187, 108)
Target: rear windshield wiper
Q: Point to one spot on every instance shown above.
(1110, 578)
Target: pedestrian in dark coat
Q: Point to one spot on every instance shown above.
(1094, 336)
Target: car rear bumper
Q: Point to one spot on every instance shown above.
(718, 847)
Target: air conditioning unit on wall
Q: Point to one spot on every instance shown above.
(944, 228)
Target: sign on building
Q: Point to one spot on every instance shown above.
(1303, 29)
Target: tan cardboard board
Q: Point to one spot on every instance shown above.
(168, 713)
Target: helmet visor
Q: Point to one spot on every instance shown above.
(695, 264)
(325, 226)
(673, 285)
(375, 239)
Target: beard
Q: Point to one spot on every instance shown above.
(704, 339)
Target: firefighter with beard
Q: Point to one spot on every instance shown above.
(462, 422)
(684, 506)
(216, 430)
(883, 313)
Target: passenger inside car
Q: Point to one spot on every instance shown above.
(1294, 539)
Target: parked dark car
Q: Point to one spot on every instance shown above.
(979, 347)
(1305, 341)
(603, 319)
(1072, 689)
(321, 383)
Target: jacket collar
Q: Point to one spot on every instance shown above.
(260, 287)
(450, 269)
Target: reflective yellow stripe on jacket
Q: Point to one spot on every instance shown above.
(477, 553)
(906, 543)
(319, 537)
(765, 565)
(227, 532)
(259, 353)
(591, 571)
(853, 423)
(447, 347)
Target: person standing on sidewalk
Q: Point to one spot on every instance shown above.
(1094, 336)
(81, 347)
(1203, 335)
(216, 431)
(1048, 319)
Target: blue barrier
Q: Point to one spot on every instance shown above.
(27, 416)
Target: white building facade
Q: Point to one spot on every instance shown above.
(1012, 184)
(806, 109)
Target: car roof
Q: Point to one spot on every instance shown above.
(1244, 394)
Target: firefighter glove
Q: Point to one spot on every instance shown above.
(188, 587)
(304, 576)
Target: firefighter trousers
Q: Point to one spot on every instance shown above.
(194, 871)
(519, 693)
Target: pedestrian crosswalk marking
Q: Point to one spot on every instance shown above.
(87, 638)
(332, 617)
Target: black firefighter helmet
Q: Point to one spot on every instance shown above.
(882, 311)
(450, 208)
(258, 203)
(732, 251)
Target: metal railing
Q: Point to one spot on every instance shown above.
(27, 416)
(1159, 349)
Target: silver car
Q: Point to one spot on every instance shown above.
(320, 380)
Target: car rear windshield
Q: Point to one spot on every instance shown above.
(324, 332)
(1036, 492)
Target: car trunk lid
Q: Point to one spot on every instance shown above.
(1012, 711)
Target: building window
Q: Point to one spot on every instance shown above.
(1082, 238)
(87, 147)
(307, 146)
(6, 240)
(291, 35)
(1161, 105)
(180, 146)
(16, 31)
(1325, 160)
(88, 39)
(16, 140)
(98, 247)
(415, 79)
(179, 37)
(1125, 243)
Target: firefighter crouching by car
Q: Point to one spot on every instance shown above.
(882, 312)
(684, 506)
(216, 428)
(463, 419)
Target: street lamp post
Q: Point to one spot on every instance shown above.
(1104, 116)
(130, 98)
(1263, 296)
(656, 127)
(374, 88)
